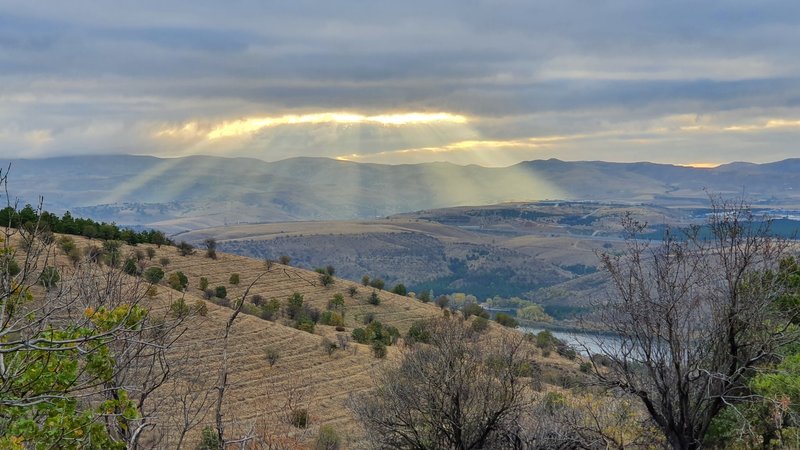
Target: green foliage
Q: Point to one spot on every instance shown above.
(336, 303)
(270, 309)
(377, 283)
(365, 280)
(9, 266)
(374, 299)
(178, 281)
(234, 279)
(200, 308)
(376, 332)
(328, 346)
(442, 301)
(66, 244)
(294, 306)
(112, 252)
(332, 318)
(284, 259)
(379, 349)
(305, 324)
(471, 308)
(326, 279)
(179, 308)
(49, 277)
(153, 274)
(151, 253)
(352, 291)
(67, 224)
(164, 261)
(327, 439)
(221, 292)
(479, 324)
(506, 320)
(131, 267)
(209, 440)
(400, 289)
(418, 332)
(425, 296)
(534, 313)
(203, 283)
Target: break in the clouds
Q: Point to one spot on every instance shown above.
(487, 82)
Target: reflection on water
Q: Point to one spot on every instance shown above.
(585, 342)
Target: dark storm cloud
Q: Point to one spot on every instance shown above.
(99, 77)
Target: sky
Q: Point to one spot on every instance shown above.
(469, 82)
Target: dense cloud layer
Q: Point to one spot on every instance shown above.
(682, 82)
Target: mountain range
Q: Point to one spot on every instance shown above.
(178, 194)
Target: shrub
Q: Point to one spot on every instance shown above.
(294, 305)
(328, 346)
(285, 260)
(360, 335)
(209, 440)
(234, 279)
(374, 299)
(151, 253)
(130, 267)
(368, 318)
(139, 254)
(299, 418)
(506, 320)
(67, 244)
(153, 275)
(203, 283)
(178, 281)
(418, 332)
(179, 308)
(352, 291)
(585, 367)
(75, 256)
(200, 308)
(272, 355)
(185, 248)
(211, 248)
(425, 296)
(305, 324)
(331, 318)
(337, 302)
(164, 261)
(365, 280)
(479, 324)
(471, 308)
(258, 300)
(379, 349)
(269, 310)
(400, 289)
(377, 283)
(221, 292)
(209, 293)
(326, 279)
(442, 301)
(327, 439)
(49, 277)
(111, 251)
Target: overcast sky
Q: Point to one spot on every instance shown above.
(486, 82)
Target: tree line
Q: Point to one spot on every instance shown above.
(29, 217)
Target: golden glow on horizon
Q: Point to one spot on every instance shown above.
(251, 125)
(700, 165)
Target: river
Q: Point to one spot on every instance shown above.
(584, 342)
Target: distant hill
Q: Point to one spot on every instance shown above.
(201, 191)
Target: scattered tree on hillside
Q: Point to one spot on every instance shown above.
(479, 406)
(211, 248)
(696, 315)
(284, 259)
(185, 248)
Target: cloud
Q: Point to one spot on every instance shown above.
(82, 77)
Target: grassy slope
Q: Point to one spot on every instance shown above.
(305, 374)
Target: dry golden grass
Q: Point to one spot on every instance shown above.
(260, 397)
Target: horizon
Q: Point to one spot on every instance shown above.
(699, 165)
(403, 83)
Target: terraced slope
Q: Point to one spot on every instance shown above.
(260, 397)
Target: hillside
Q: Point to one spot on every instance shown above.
(305, 375)
(201, 191)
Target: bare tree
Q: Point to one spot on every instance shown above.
(695, 314)
(458, 392)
